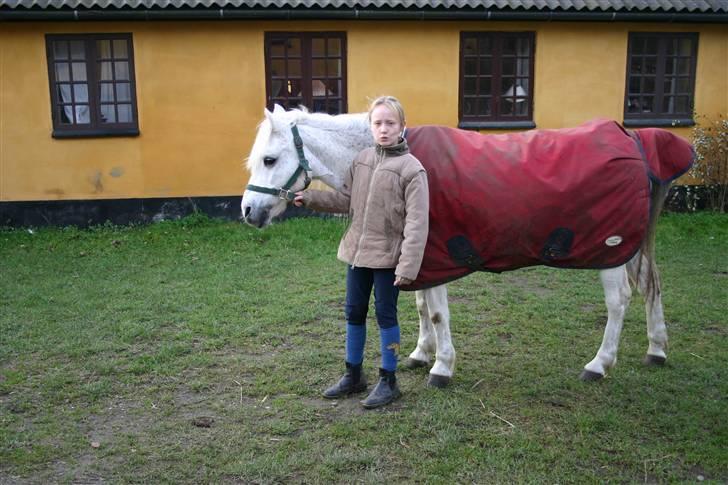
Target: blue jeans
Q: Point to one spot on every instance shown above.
(359, 282)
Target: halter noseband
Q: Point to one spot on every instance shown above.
(303, 167)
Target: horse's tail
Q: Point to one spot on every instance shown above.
(642, 268)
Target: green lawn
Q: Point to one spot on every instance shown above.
(119, 346)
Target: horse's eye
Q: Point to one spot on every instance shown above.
(269, 161)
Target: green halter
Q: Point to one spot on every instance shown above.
(303, 167)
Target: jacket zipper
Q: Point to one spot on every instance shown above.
(366, 210)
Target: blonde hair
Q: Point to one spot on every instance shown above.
(390, 102)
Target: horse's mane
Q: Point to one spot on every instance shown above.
(300, 116)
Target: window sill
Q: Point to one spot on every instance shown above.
(94, 133)
(496, 125)
(657, 122)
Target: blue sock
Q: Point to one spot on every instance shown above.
(356, 336)
(389, 342)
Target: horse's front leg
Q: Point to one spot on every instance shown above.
(426, 341)
(435, 315)
(617, 295)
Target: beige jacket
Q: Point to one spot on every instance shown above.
(386, 195)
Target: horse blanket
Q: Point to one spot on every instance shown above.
(569, 198)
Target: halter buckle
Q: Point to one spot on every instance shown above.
(286, 194)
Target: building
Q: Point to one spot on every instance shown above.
(135, 109)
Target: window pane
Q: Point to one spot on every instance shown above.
(277, 47)
(62, 72)
(635, 66)
(77, 50)
(278, 67)
(638, 46)
(79, 71)
(635, 84)
(671, 65)
(484, 107)
(522, 67)
(509, 46)
(64, 93)
(124, 113)
(470, 46)
(650, 65)
(676, 104)
(103, 48)
(107, 92)
(470, 67)
(121, 49)
(294, 68)
(106, 74)
(123, 93)
(685, 47)
(524, 47)
(294, 47)
(683, 66)
(334, 86)
(80, 93)
(319, 88)
(651, 46)
(82, 114)
(521, 107)
(318, 67)
(509, 67)
(485, 46)
(683, 85)
(648, 87)
(334, 68)
(318, 47)
(469, 107)
(646, 104)
(334, 47)
(108, 115)
(470, 86)
(60, 50)
(121, 70)
(486, 66)
(486, 85)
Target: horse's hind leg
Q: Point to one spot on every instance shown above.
(639, 273)
(434, 322)
(617, 295)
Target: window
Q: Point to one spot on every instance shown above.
(660, 79)
(306, 69)
(496, 80)
(92, 85)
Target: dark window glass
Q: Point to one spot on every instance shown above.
(496, 76)
(306, 69)
(660, 76)
(92, 84)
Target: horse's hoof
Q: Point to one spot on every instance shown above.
(438, 381)
(654, 360)
(589, 376)
(411, 363)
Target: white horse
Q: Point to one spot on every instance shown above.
(330, 143)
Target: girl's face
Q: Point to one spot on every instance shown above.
(385, 125)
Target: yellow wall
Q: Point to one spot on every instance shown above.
(201, 92)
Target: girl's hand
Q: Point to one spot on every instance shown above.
(298, 200)
(402, 281)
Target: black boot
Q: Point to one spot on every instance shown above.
(385, 392)
(352, 382)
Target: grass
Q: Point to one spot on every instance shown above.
(115, 341)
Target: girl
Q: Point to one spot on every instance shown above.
(386, 196)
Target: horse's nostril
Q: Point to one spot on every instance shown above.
(247, 211)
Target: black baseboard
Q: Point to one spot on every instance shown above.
(85, 213)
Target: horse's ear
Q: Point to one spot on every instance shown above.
(267, 113)
(277, 108)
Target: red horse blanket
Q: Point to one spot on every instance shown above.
(570, 198)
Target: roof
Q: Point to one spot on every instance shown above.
(702, 6)
(587, 10)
